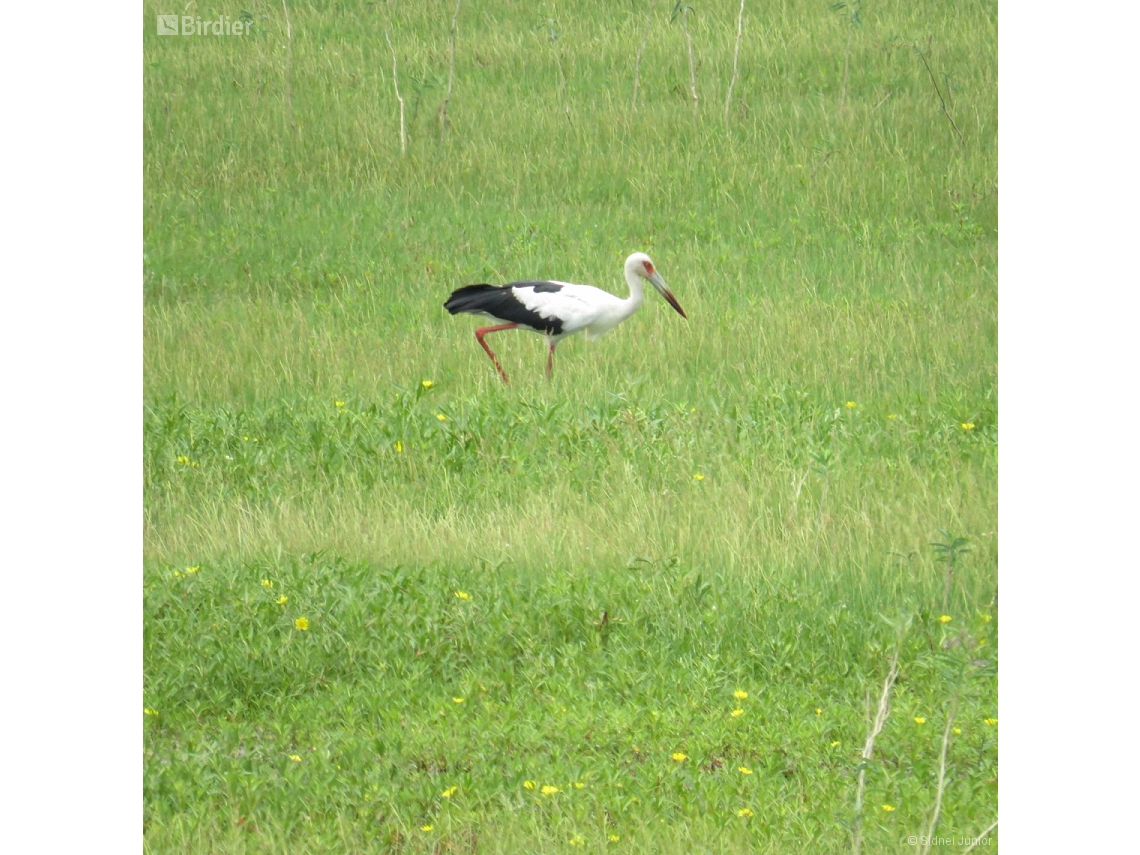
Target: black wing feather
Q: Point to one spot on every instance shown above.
(499, 301)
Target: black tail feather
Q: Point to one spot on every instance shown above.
(470, 298)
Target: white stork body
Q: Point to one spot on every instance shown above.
(557, 309)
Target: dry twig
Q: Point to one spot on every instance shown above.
(938, 91)
(288, 65)
(637, 64)
(396, 85)
(450, 75)
(883, 101)
(561, 73)
(692, 68)
(941, 775)
(735, 58)
(980, 837)
(869, 746)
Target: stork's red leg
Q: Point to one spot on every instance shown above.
(550, 362)
(482, 331)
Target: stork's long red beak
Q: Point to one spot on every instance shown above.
(664, 291)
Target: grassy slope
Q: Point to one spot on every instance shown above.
(824, 255)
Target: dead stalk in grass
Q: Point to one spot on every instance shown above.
(450, 75)
(884, 101)
(846, 69)
(735, 59)
(561, 73)
(288, 65)
(869, 746)
(938, 92)
(941, 774)
(980, 837)
(396, 85)
(683, 11)
(637, 63)
(853, 21)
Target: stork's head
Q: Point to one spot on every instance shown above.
(641, 265)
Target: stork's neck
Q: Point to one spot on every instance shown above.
(636, 293)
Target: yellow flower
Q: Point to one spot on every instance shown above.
(578, 785)
(614, 838)
(744, 770)
(426, 828)
(530, 785)
(740, 695)
(548, 790)
(918, 719)
(967, 425)
(850, 405)
(427, 384)
(457, 700)
(678, 757)
(957, 731)
(282, 600)
(986, 618)
(744, 812)
(296, 758)
(301, 623)
(463, 595)
(185, 461)
(697, 476)
(449, 792)
(177, 574)
(888, 808)
(193, 570)
(892, 417)
(577, 840)
(981, 641)
(339, 403)
(945, 619)
(990, 721)
(399, 447)
(441, 417)
(818, 711)
(266, 583)
(737, 712)
(149, 711)
(835, 744)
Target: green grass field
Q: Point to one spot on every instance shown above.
(392, 605)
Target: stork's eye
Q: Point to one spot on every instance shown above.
(648, 269)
